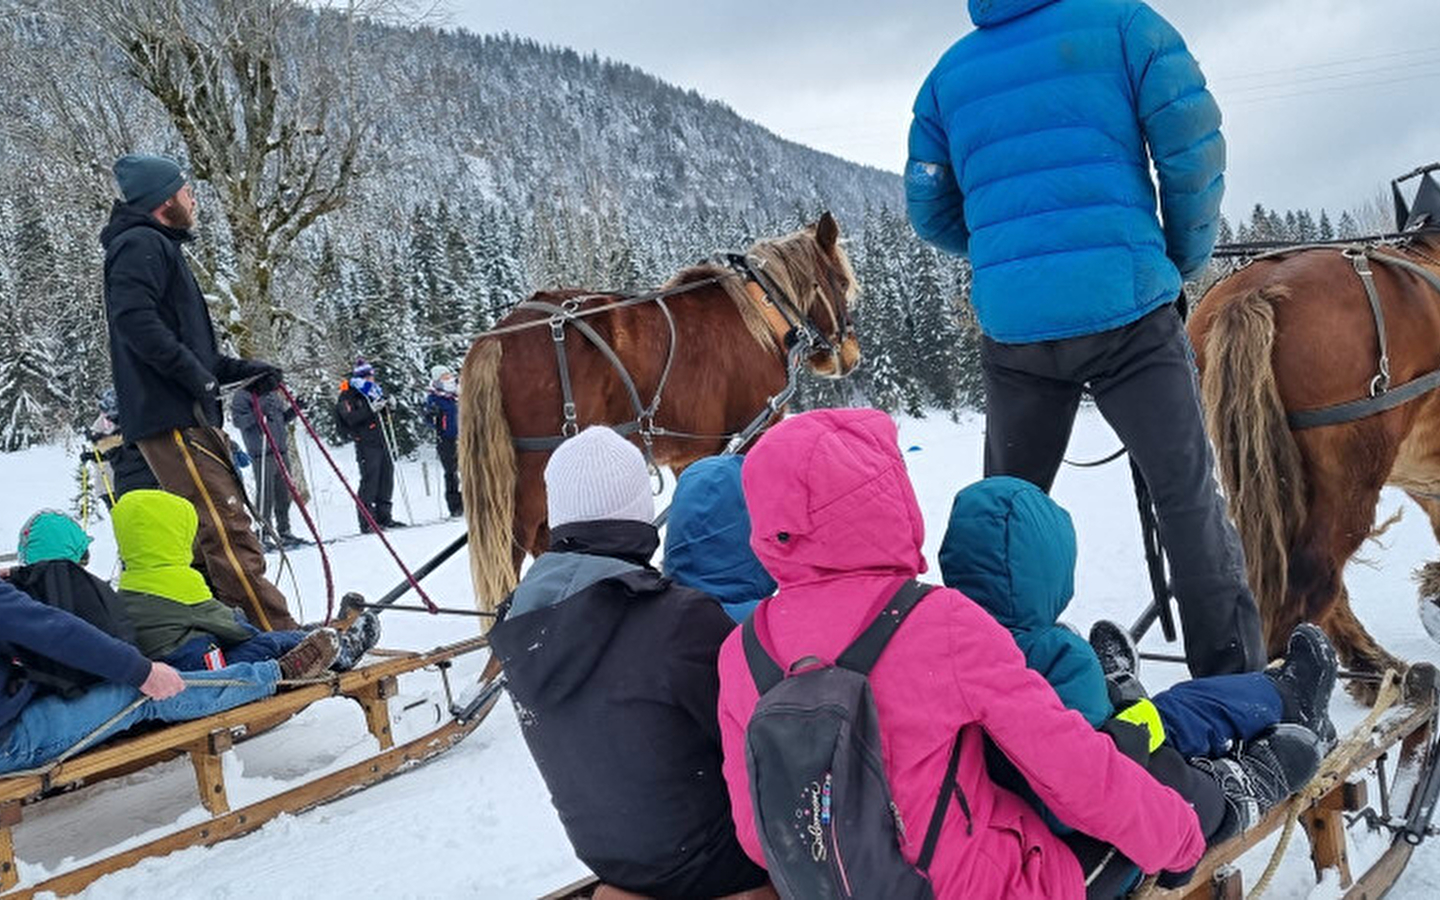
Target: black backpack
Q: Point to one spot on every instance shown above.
(65, 585)
(823, 809)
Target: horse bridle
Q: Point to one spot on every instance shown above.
(802, 329)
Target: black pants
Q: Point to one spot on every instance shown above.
(1142, 377)
(377, 477)
(270, 484)
(449, 461)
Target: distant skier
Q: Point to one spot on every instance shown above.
(443, 408)
(168, 369)
(1031, 154)
(274, 494)
(357, 410)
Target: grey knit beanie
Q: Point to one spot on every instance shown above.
(147, 181)
(597, 475)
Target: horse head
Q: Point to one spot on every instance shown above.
(811, 272)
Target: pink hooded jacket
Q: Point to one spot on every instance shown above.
(836, 523)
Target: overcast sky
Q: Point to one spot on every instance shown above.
(1324, 100)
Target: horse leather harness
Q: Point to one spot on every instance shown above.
(1382, 396)
(803, 338)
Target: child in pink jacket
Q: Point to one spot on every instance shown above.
(836, 523)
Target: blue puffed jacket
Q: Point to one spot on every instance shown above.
(1030, 153)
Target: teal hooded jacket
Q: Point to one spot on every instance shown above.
(1011, 549)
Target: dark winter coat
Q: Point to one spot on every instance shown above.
(162, 344)
(1031, 153)
(27, 623)
(612, 668)
(277, 412)
(444, 410)
(357, 418)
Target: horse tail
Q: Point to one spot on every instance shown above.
(1259, 461)
(487, 475)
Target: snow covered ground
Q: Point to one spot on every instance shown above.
(477, 821)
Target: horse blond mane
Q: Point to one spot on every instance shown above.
(793, 261)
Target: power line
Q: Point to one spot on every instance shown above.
(1338, 62)
(1333, 76)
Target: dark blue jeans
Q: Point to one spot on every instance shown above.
(261, 645)
(1204, 717)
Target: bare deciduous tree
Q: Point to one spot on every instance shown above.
(264, 95)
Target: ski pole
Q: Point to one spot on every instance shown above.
(387, 428)
(85, 496)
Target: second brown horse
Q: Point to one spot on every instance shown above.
(729, 357)
(1297, 333)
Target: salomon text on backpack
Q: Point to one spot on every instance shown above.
(823, 808)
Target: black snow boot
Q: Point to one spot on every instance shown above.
(1306, 680)
(1262, 775)
(357, 640)
(1120, 661)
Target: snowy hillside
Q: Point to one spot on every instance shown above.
(477, 823)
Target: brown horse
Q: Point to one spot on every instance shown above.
(1297, 333)
(727, 358)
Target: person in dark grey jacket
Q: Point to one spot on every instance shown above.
(274, 493)
(612, 668)
(168, 368)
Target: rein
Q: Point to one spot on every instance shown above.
(802, 338)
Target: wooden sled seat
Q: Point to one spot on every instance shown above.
(205, 740)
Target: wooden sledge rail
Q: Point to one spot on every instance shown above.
(206, 739)
(1216, 877)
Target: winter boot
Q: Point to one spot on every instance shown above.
(1120, 661)
(357, 640)
(312, 656)
(1306, 680)
(1264, 773)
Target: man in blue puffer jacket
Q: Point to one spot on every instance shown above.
(1030, 153)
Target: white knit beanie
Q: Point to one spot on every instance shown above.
(597, 475)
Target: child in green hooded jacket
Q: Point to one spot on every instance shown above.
(176, 616)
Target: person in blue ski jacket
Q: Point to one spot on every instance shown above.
(707, 538)
(442, 406)
(1030, 153)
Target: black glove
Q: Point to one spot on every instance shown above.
(266, 377)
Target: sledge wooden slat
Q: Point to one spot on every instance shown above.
(1380, 877)
(295, 800)
(1325, 824)
(9, 816)
(210, 772)
(109, 756)
(581, 888)
(373, 700)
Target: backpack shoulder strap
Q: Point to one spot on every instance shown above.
(861, 655)
(948, 789)
(763, 668)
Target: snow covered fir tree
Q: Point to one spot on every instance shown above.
(485, 168)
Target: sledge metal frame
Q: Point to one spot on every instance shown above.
(205, 740)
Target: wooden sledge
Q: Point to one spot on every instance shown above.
(206, 739)
(1339, 798)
